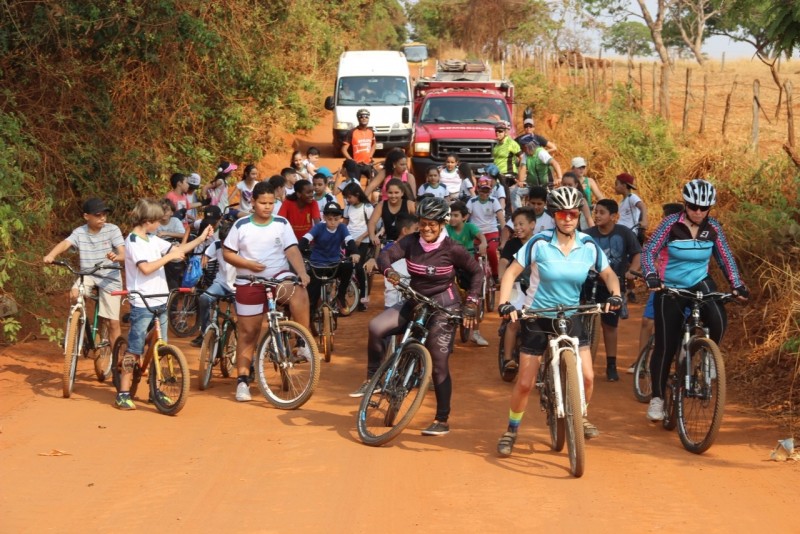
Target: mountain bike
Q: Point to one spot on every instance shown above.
(82, 337)
(287, 361)
(642, 381)
(560, 383)
(694, 399)
(165, 364)
(324, 317)
(396, 391)
(219, 341)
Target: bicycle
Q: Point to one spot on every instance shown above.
(286, 373)
(591, 322)
(81, 336)
(324, 317)
(165, 364)
(642, 381)
(560, 384)
(219, 341)
(488, 288)
(384, 411)
(694, 399)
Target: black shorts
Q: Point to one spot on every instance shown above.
(535, 334)
(611, 318)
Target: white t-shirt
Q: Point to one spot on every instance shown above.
(264, 243)
(226, 273)
(498, 192)
(628, 212)
(245, 196)
(451, 180)
(357, 218)
(139, 250)
(322, 202)
(466, 185)
(391, 295)
(440, 191)
(484, 214)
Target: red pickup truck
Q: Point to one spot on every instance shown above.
(457, 116)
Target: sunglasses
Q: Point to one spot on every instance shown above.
(363, 116)
(565, 215)
(428, 224)
(695, 207)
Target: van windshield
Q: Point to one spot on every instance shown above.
(416, 53)
(374, 90)
(465, 110)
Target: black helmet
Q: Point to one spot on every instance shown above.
(434, 209)
(564, 198)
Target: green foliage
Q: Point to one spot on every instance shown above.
(783, 29)
(630, 38)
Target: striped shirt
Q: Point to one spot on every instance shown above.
(93, 248)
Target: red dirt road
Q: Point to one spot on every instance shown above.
(224, 466)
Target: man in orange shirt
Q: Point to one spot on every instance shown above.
(359, 144)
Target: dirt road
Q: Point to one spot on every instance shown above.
(224, 466)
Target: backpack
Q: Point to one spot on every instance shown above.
(538, 172)
(193, 272)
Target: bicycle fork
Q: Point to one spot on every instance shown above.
(555, 368)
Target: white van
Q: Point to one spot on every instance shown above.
(379, 81)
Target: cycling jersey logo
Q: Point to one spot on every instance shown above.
(703, 234)
(430, 270)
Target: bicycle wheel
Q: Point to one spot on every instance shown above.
(102, 352)
(701, 406)
(208, 355)
(326, 338)
(287, 366)
(491, 291)
(554, 423)
(120, 346)
(394, 395)
(591, 325)
(71, 349)
(642, 384)
(170, 391)
(670, 405)
(227, 360)
(573, 414)
(182, 314)
(351, 298)
(506, 375)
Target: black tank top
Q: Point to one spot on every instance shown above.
(390, 220)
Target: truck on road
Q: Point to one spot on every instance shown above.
(455, 113)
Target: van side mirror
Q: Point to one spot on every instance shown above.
(406, 116)
(329, 103)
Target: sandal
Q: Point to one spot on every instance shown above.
(506, 444)
(510, 368)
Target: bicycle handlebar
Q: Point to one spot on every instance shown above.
(264, 281)
(698, 296)
(126, 292)
(407, 291)
(580, 309)
(97, 267)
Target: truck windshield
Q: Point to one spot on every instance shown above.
(374, 90)
(465, 110)
(416, 53)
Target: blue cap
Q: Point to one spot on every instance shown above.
(325, 171)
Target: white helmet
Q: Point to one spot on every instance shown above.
(564, 198)
(700, 192)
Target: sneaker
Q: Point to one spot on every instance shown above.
(197, 342)
(655, 412)
(630, 370)
(589, 430)
(303, 352)
(611, 373)
(124, 402)
(163, 398)
(243, 392)
(436, 429)
(506, 444)
(478, 339)
(361, 391)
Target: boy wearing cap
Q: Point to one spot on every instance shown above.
(97, 241)
(329, 237)
(632, 211)
(589, 186)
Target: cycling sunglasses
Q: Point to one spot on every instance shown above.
(564, 215)
(695, 207)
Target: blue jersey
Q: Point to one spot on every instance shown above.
(686, 262)
(328, 245)
(556, 279)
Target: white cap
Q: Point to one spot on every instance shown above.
(194, 179)
(578, 162)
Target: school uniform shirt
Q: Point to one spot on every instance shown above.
(451, 180)
(439, 191)
(357, 218)
(144, 250)
(265, 243)
(226, 273)
(628, 212)
(484, 214)
(245, 196)
(93, 248)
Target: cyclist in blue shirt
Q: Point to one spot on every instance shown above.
(560, 261)
(690, 238)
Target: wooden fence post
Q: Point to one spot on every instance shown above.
(603, 81)
(686, 95)
(787, 85)
(728, 107)
(641, 88)
(754, 136)
(585, 71)
(665, 113)
(705, 104)
(722, 66)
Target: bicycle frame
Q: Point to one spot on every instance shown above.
(556, 346)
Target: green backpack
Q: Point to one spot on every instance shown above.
(538, 172)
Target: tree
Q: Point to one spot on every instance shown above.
(783, 30)
(630, 38)
(690, 18)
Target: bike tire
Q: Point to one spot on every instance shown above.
(351, 298)
(555, 424)
(170, 391)
(642, 379)
(506, 376)
(464, 333)
(573, 415)
(670, 405)
(120, 346)
(71, 346)
(287, 380)
(702, 406)
(230, 341)
(392, 400)
(326, 347)
(207, 357)
(182, 316)
(102, 353)
(490, 297)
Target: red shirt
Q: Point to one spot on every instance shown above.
(301, 220)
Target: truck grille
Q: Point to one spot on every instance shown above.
(467, 150)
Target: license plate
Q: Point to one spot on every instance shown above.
(378, 146)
